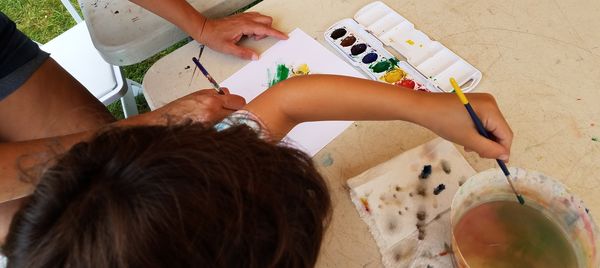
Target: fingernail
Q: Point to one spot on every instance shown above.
(254, 57)
(503, 157)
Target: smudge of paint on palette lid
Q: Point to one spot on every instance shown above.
(553, 229)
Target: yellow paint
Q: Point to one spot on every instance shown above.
(301, 70)
(393, 76)
(410, 42)
(458, 91)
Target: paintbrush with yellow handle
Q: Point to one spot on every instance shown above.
(484, 133)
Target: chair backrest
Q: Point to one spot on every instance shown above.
(75, 51)
(72, 10)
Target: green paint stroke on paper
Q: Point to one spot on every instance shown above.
(595, 139)
(282, 72)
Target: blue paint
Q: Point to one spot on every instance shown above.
(369, 58)
(327, 160)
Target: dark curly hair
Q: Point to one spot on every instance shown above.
(173, 196)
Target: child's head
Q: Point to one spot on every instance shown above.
(178, 196)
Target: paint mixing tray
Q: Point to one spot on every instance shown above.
(429, 63)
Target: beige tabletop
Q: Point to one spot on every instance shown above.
(540, 59)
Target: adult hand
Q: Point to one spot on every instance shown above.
(449, 119)
(204, 106)
(224, 34)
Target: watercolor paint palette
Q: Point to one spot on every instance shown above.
(365, 52)
(428, 63)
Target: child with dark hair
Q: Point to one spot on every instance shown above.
(226, 196)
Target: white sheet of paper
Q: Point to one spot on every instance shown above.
(300, 48)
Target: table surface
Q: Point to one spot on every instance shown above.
(125, 33)
(539, 59)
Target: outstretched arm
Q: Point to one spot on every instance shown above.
(219, 34)
(329, 97)
(15, 157)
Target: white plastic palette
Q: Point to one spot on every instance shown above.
(379, 25)
(367, 53)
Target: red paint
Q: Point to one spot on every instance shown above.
(407, 83)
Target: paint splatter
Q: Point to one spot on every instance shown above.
(421, 215)
(365, 203)
(358, 49)
(446, 167)
(338, 33)
(447, 249)
(420, 227)
(392, 226)
(302, 69)
(421, 191)
(394, 75)
(348, 41)
(327, 160)
(410, 42)
(426, 172)
(186, 67)
(596, 139)
(440, 188)
(283, 72)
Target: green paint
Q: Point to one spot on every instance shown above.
(327, 160)
(595, 139)
(384, 65)
(380, 67)
(282, 73)
(506, 234)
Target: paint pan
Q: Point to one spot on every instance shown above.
(490, 229)
(367, 54)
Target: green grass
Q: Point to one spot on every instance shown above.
(42, 20)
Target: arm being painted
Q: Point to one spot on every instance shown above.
(329, 97)
(219, 34)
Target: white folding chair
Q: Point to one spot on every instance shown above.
(75, 52)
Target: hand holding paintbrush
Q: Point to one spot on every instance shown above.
(481, 129)
(208, 76)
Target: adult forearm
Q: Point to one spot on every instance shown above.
(178, 12)
(21, 163)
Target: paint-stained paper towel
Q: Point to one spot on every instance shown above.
(409, 221)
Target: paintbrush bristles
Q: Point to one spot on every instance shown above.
(519, 196)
